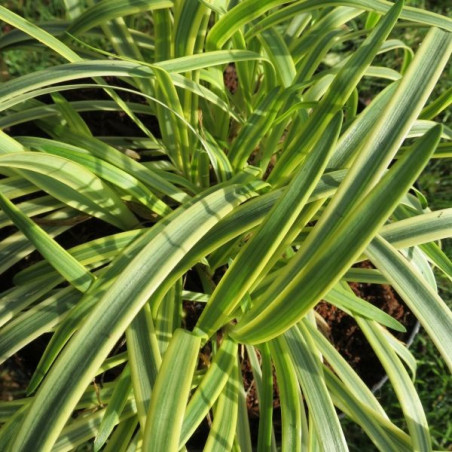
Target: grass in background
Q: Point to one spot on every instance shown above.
(17, 62)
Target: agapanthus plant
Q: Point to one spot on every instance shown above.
(240, 206)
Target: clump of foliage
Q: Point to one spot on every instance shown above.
(267, 193)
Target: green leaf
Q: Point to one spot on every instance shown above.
(243, 434)
(237, 17)
(73, 119)
(122, 436)
(416, 15)
(94, 252)
(434, 108)
(37, 33)
(222, 431)
(85, 428)
(339, 91)
(74, 185)
(171, 391)
(419, 229)
(422, 300)
(114, 311)
(289, 394)
(256, 127)
(75, 320)
(347, 301)
(265, 432)
(56, 255)
(329, 242)
(37, 206)
(133, 168)
(48, 111)
(37, 320)
(174, 130)
(402, 384)
(382, 433)
(208, 59)
(102, 169)
(144, 360)
(15, 187)
(343, 370)
(209, 389)
(310, 376)
(280, 56)
(106, 10)
(168, 317)
(258, 251)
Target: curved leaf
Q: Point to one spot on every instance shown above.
(113, 313)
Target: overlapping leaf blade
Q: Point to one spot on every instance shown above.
(299, 222)
(113, 313)
(348, 198)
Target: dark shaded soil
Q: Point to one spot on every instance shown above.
(231, 79)
(346, 336)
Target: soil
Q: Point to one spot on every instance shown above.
(231, 79)
(346, 336)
